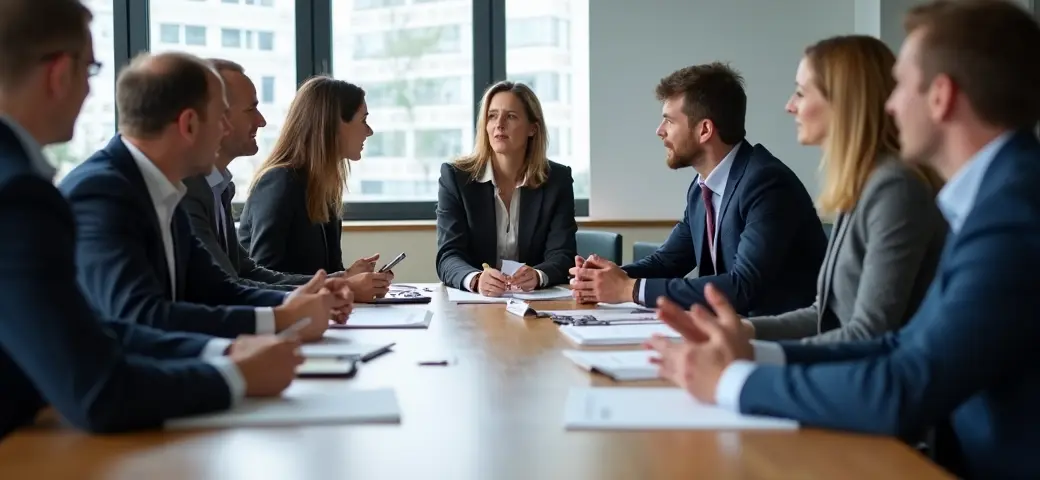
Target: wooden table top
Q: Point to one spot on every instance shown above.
(495, 413)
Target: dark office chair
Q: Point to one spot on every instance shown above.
(641, 250)
(604, 244)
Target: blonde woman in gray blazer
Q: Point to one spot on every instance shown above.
(888, 233)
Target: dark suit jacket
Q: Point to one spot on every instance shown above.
(771, 242)
(101, 377)
(276, 231)
(467, 232)
(230, 256)
(967, 356)
(122, 260)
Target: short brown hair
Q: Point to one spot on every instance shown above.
(34, 30)
(154, 90)
(712, 91)
(221, 64)
(988, 48)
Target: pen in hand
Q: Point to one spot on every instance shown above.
(294, 328)
(508, 278)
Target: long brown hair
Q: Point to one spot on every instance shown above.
(309, 142)
(536, 163)
(853, 73)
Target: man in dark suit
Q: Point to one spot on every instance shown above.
(138, 260)
(966, 102)
(99, 376)
(749, 227)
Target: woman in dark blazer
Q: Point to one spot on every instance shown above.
(506, 201)
(291, 220)
(888, 233)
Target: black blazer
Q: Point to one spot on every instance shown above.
(230, 255)
(467, 232)
(771, 242)
(275, 229)
(100, 376)
(122, 259)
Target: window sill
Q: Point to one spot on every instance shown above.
(431, 225)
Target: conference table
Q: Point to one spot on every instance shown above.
(494, 412)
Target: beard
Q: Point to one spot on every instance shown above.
(686, 158)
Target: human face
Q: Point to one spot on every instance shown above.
(508, 128)
(910, 105)
(244, 119)
(680, 142)
(68, 77)
(211, 130)
(352, 134)
(812, 112)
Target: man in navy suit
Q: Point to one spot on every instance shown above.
(99, 376)
(966, 102)
(138, 260)
(749, 227)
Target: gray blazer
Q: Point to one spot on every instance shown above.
(231, 257)
(880, 260)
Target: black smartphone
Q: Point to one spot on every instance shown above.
(327, 368)
(393, 263)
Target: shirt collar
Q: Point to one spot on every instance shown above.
(957, 198)
(32, 148)
(162, 191)
(489, 176)
(218, 179)
(719, 176)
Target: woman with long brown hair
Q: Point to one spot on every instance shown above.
(888, 232)
(506, 201)
(291, 220)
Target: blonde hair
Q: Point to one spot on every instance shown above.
(309, 142)
(853, 73)
(536, 163)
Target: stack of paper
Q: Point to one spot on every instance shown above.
(620, 408)
(388, 316)
(350, 406)
(619, 366)
(334, 344)
(616, 334)
(556, 293)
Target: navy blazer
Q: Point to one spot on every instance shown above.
(771, 242)
(101, 377)
(967, 356)
(122, 260)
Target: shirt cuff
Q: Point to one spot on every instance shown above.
(642, 291)
(232, 376)
(265, 321)
(543, 280)
(466, 282)
(768, 353)
(215, 348)
(731, 383)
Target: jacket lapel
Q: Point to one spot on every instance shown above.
(482, 207)
(530, 212)
(697, 219)
(736, 172)
(182, 238)
(841, 227)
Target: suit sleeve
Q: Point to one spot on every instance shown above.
(560, 245)
(772, 223)
(675, 258)
(202, 225)
(52, 341)
(792, 325)
(454, 261)
(114, 269)
(259, 276)
(972, 332)
(206, 283)
(901, 221)
(144, 340)
(271, 207)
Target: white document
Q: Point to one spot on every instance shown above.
(616, 334)
(632, 305)
(388, 316)
(556, 293)
(616, 316)
(621, 366)
(626, 408)
(510, 267)
(341, 407)
(335, 344)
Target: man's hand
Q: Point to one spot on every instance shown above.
(492, 283)
(711, 342)
(342, 299)
(525, 278)
(267, 363)
(362, 265)
(311, 300)
(599, 280)
(369, 286)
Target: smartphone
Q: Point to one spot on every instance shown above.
(327, 368)
(393, 263)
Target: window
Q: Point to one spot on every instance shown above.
(96, 122)
(554, 79)
(195, 35)
(416, 67)
(269, 69)
(267, 90)
(170, 33)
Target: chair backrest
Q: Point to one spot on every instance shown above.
(641, 250)
(603, 244)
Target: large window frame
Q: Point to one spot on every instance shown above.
(314, 57)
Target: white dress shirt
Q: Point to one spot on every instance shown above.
(507, 222)
(716, 182)
(955, 201)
